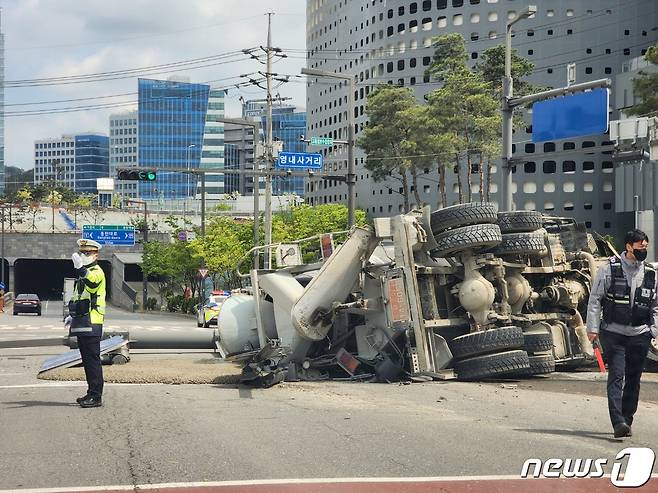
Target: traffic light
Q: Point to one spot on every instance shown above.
(135, 174)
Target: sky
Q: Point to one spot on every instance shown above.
(64, 38)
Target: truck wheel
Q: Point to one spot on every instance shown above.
(521, 244)
(540, 364)
(476, 237)
(462, 215)
(537, 340)
(519, 221)
(486, 341)
(119, 359)
(492, 365)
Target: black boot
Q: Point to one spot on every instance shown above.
(80, 399)
(622, 430)
(91, 402)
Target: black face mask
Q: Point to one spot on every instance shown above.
(640, 255)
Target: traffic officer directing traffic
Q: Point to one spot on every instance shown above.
(625, 291)
(87, 311)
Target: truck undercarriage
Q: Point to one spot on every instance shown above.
(463, 291)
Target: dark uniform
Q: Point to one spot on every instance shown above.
(87, 310)
(625, 292)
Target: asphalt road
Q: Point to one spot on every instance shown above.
(153, 434)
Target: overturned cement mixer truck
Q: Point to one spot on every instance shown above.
(463, 291)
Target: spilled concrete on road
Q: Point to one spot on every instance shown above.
(161, 370)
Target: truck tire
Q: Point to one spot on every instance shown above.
(519, 221)
(486, 341)
(540, 364)
(476, 237)
(521, 244)
(492, 365)
(537, 340)
(462, 215)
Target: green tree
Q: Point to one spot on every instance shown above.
(491, 68)
(645, 87)
(466, 113)
(384, 137)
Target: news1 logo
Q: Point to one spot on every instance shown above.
(639, 465)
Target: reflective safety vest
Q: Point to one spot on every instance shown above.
(87, 306)
(617, 301)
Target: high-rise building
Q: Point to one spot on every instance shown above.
(212, 154)
(2, 108)
(242, 138)
(179, 127)
(171, 120)
(232, 161)
(288, 126)
(390, 41)
(123, 150)
(73, 161)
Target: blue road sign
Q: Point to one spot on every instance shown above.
(299, 160)
(110, 235)
(577, 115)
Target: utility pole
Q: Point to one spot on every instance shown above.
(269, 150)
(145, 285)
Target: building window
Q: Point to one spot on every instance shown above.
(401, 10)
(549, 32)
(529, 167)
(413, 8)
(549, 147)
(568, 206)
(588, 187)
(568, 146)
(568, 167)
(457, 3)
(426, 60)
(475, 18)
(588, 167)
(427, 5)
(412, 62)
(442, 21)
(569, 187)
(588, 70)
(549, 167)
(493, 16)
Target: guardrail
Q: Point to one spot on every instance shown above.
(130, 292)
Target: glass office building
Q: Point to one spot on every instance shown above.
(231, 161)
(171, 121)
(288, 126)
(212, 154)
(92, 161)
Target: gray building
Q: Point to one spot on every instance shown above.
(390, 41)
(242, 138)
(123, 150)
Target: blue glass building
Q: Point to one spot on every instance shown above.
(171, 119)
(92, 161)
(231, 161)
(288, 126)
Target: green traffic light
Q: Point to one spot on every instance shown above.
(150, 176)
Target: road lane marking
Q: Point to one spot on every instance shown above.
(458, 484)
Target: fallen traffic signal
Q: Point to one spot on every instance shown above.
(136, 174)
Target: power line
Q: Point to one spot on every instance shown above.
(127, 73)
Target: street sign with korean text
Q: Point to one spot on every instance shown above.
(110, 234)
(322, 141)
(576, 115)
(299, 160)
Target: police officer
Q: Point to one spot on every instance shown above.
(87, 310)
(625, 291)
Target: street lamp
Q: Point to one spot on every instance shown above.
(351, 193)
(507, 110)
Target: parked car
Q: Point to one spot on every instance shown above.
(207, 313)
(27, 303)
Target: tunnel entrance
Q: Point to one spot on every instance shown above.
(45, 277)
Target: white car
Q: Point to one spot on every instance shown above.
(207, 313)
